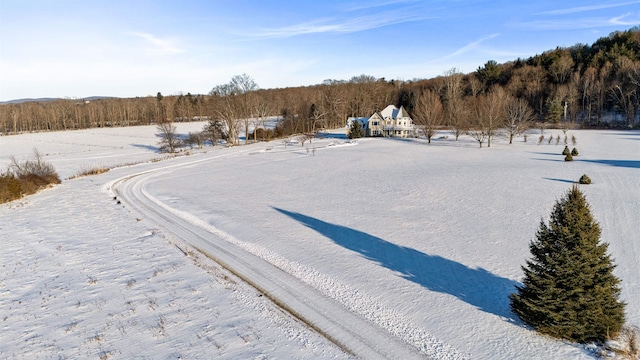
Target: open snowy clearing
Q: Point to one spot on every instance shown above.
(424, 241)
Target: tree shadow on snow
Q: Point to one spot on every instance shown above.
(328, 135)
(561, 180)
(547, 160)
(478, 287)
(546, 153)
(634, 164)
(146, 147)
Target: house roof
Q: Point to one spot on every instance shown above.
(389, 112)
(402, 113)
(393, 112)
(362, 120)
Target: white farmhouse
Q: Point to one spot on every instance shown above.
(390, 122)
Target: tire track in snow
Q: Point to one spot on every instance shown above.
(328, 307)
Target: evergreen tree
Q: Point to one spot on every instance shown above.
(553, 110)
(489, 74)
(355, 131)
(569, 290)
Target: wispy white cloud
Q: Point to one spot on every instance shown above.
(470, 47)
(343, 25)
(584, 23)
(625, 20)
(473, 46)
(578, 9)
(160, 45)
(378, 4)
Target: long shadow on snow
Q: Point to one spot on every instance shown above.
(477, 287)
(634, 164)
(561, 180)
(146, 147)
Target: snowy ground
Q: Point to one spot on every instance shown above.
(425, 241)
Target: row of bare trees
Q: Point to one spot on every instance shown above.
(481, 116)
(582, 84)
(240, 106)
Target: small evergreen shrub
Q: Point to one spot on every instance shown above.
(566, 151)
(355, 131)
(540, 139)
(568, 157)
(574, 152)
(585, 180)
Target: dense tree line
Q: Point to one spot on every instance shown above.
(592, 85)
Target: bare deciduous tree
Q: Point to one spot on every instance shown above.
(454, 107)
(518, 117)
(262, 109)
(488, 110)
(305, 137)
(429, 113)
(316, 116)
(226, 107)
(169, 139)
(244, 86)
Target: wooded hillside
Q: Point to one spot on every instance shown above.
(594, 85)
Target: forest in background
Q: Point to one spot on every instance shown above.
(594, 85)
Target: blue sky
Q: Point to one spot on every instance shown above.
(131, 48)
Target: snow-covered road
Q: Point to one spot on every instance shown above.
(351, 332)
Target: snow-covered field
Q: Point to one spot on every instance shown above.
(422, 241)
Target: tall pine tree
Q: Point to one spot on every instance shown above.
(569, 290)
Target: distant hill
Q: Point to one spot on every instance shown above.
(19, 101)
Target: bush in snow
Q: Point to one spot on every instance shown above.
(169, 139)
(10, 188)
(194, 139)
(26, 177)
(566, 151)
(626, 344)
(569, 290)
(585, 180)
(574, 152)
(568, 157)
